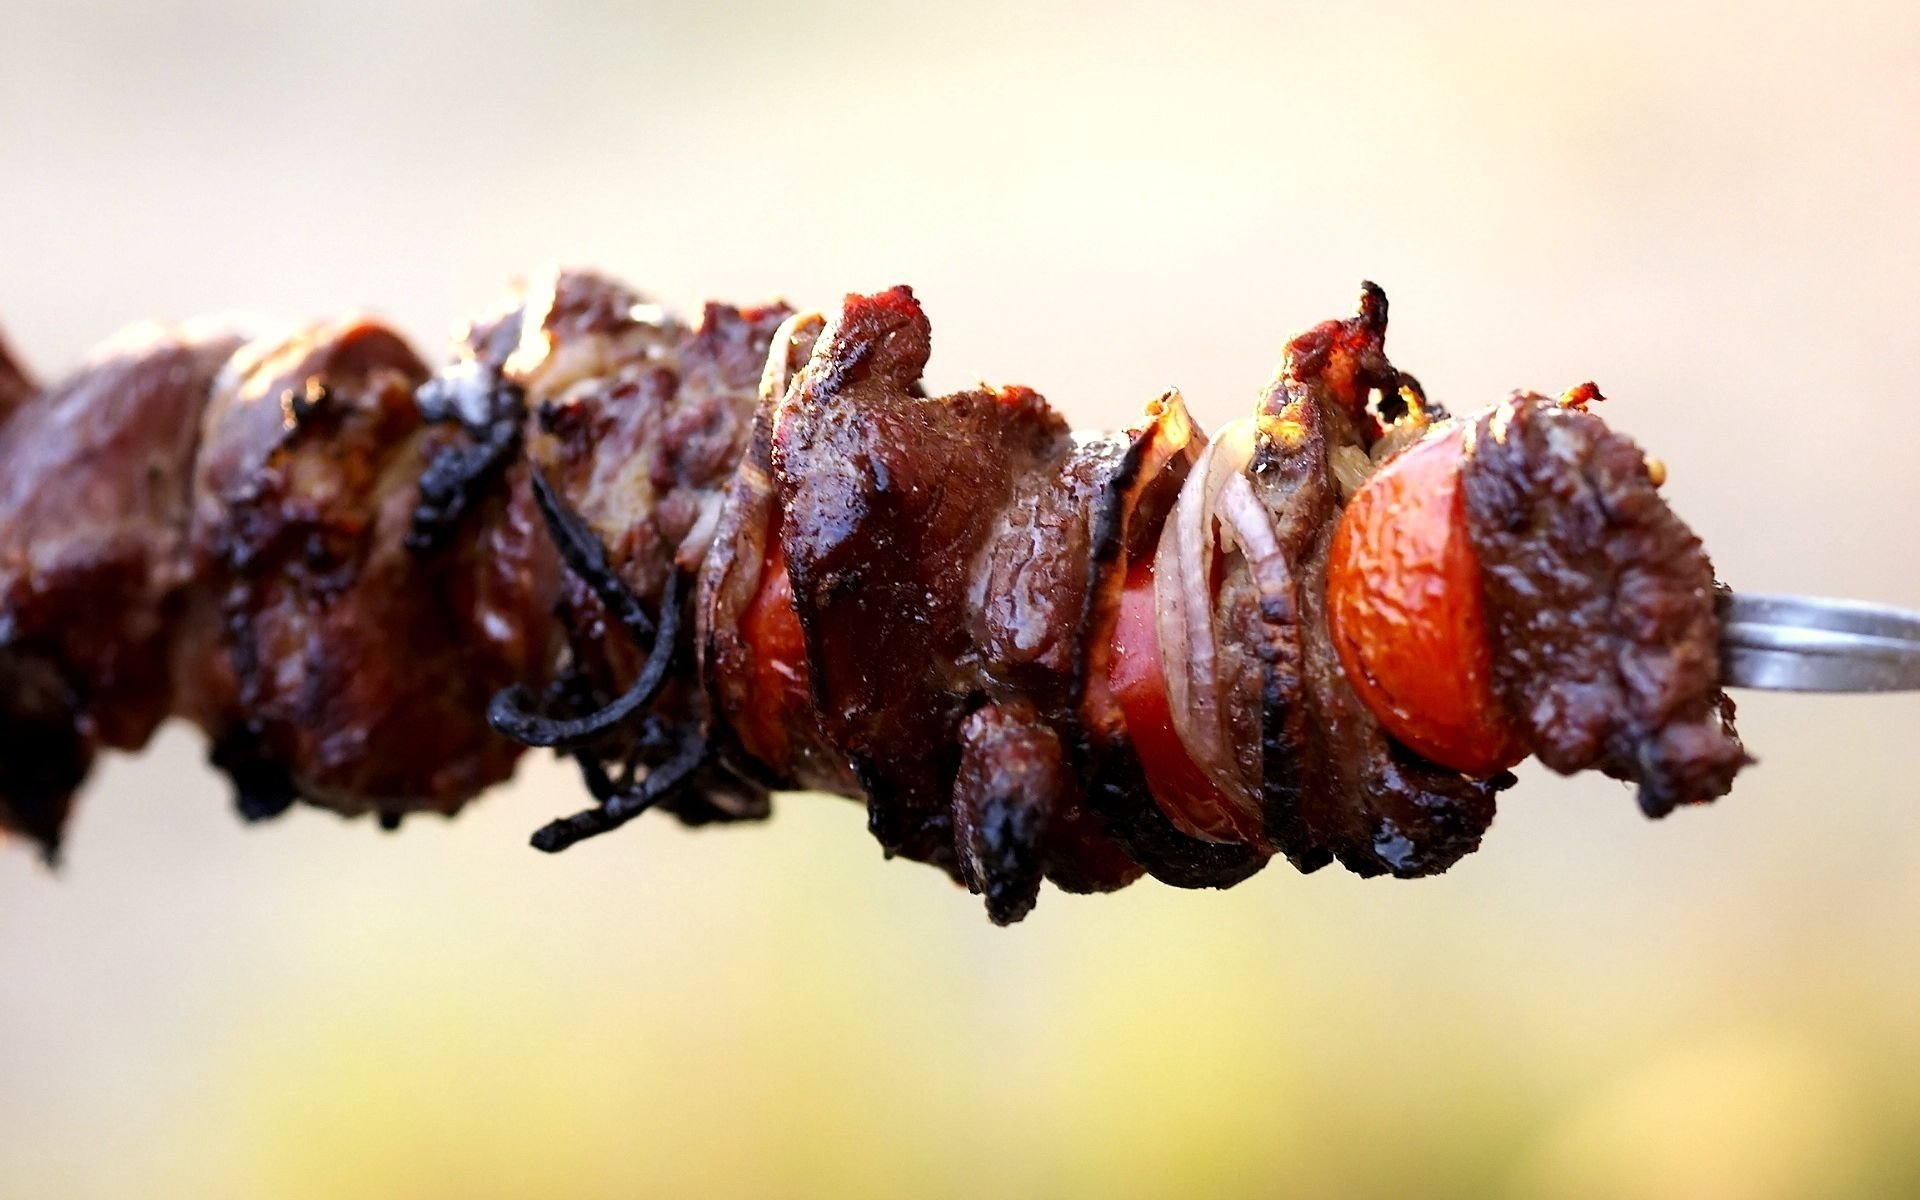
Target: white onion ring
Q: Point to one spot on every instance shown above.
(1216, 509)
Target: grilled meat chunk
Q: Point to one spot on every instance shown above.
(1032, 597)
(1012, 774)
(328, 660)
(94, 500)
(634, 426)
(1604, 634)
(888, 498)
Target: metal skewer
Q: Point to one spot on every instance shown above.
(1813, 644)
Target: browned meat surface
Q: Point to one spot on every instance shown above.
(1016, 592)
(1031, 599)
(644, 452)
(1601, 602)
(93, 514)
(888, 498)
(650, 451)
(327, 661)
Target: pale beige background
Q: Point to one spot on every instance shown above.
(1710, 211)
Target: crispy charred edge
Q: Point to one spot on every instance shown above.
(515, 714)
(1556, 474)
(1347, 360)
(45, 754)
(1371, 803)
(460, 475)
(263, 788)
(1126, 522)
(1012, 773)
(1080, 854)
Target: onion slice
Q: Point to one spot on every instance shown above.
(1216, 512)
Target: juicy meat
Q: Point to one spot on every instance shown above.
(644, 452)
(93, 514)
(1601, 605)
(329, 661)
(1009, 598)
(888, 498)
(1031, 600)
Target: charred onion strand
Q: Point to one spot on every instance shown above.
(510, 711)
(624, 804)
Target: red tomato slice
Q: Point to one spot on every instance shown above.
(1182, 790)
(1404, 611)
(779, 681)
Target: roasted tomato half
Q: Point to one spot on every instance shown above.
(1404, 610)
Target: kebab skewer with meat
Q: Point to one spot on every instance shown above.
(751, 555)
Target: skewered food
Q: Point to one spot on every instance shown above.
(750, 555)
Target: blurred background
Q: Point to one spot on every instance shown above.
(1706, 208)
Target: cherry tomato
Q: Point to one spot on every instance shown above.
(1182, 790)
(1404, 610)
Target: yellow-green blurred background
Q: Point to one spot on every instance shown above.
(1708, 208)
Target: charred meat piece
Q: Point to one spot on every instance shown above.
(1012, 774)
(1033, 595)
(327, 659)
(644, 452)
(1018, 601)
(887, 499)
(94, 500)
(1601, 606)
